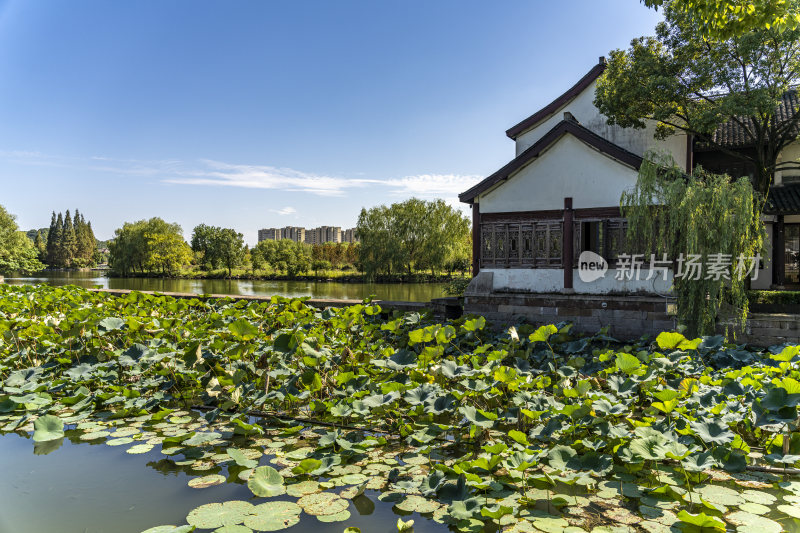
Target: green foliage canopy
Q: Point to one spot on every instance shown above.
(722, 19)
(415, 234)
(218, 247)
(17, 252)
(681, 81)
(285, 255)
(148, 247)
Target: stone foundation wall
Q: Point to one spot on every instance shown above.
(763, 329)
(627, 317)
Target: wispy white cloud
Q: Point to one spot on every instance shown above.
(207, 172)
(285, 210)
(287, 179)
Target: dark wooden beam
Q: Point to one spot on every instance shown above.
(778, 253)
(476, 238)
(567, 245)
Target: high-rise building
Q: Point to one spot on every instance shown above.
(269, 234)
(349, 235)
(324, 234)
(293, 233)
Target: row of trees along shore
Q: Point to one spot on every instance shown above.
(403, 239)
(68, 243)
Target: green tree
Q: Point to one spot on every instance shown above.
(67, 246)
(409, 236)
(17, 252)
(229, 248)
(293, 258)
(144, 247)
(682, 81)
(216, 247)
(54, 242)
(722, 19)
(202, 243)
(167, 252)
(39, 243)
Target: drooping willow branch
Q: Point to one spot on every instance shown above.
(671, 212)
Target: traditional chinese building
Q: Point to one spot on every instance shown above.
(560, 196)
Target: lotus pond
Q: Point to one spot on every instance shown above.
(146, 413)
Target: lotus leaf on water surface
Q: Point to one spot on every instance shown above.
(321, 412)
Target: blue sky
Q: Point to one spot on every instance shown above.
(261, 114)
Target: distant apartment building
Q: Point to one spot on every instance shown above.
(292, 233)
(319, 235)
(269, 234)
(324, 234)
(349, 235)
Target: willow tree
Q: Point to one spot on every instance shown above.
(709, 216)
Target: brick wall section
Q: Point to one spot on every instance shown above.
(627, 317)
(764, 329)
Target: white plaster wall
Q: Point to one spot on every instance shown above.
(790, 153)
(552, 280)
(633, 140)
(569, 168)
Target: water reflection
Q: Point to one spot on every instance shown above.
(411, 292)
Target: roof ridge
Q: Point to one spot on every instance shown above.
(560, 101)
(565, 126)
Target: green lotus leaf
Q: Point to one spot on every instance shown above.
(787, 354)
(699, 462)
(478, 417)
(352, 530)
(214, 515)
(206, 481)
(110, 324)
(650, 448)
(47, 427)
(240, 458)
(169, 529)
(670, 340)
(266, 482)
(341, 516)
(414, 503)
(273, 516)
(302, 488)
(701, 520)
(404, 526)
(322, 503)
(752, 523)
(721, 495)
(627, 363)
(242, 329)
(543, 333)
(465, 509)
(713, 432)
(201, 438)
(597, 464)
(237, 528)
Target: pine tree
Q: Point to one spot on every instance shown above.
(52, 241)
(80, 240)
(38, 242)
(54, 237)
(91, 242)
(67, 243)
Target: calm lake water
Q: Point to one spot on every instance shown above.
(409, 292)
(94, 488)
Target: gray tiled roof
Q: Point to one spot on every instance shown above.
(784, 200)
(732, 135)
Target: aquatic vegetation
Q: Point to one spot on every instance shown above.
(320, 412)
